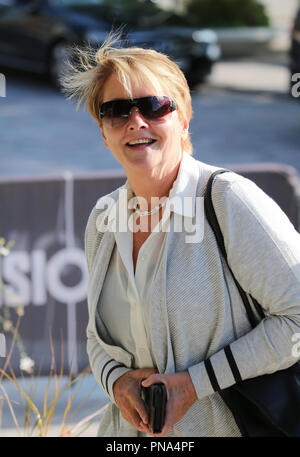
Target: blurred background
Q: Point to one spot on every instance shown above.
(236, 56)
(242, 61)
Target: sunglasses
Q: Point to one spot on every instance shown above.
(116, 112)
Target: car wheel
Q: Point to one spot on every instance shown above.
(57, 62)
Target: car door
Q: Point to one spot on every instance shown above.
(7, 36)
(24, 33)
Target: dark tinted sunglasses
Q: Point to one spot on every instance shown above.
(117, 112)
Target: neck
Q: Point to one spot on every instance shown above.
(149, 185)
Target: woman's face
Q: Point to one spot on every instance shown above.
(158, 157)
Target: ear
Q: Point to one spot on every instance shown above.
(185, 130)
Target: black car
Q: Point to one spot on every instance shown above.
(295, 46)
(35, 34)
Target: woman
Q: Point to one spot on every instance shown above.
(161, 300)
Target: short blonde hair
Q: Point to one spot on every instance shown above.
(89, 69)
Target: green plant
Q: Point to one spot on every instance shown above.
(226, 13)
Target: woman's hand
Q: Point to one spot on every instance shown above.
(127, 393)
(181, 395)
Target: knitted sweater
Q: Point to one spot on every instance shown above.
(196, 309)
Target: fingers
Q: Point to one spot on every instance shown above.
(145, 373)
(135, 420)
(153, 379)
(142, 411)
(169, 418)
(145, 428)
(180, 396)
(168, 425)
(135, 413)
(128, 398)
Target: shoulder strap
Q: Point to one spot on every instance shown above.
(213, 222)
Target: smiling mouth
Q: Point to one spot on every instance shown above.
(141, 142)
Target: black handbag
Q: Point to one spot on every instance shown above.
(268, 405)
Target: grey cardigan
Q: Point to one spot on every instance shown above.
(196, 309)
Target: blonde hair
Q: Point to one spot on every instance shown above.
(89, 69)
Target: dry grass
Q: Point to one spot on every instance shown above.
(38, 420)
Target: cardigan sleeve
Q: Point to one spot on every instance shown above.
(263, 250)
(105, 369)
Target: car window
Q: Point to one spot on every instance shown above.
(298, 19)
(74, 2)
(130, 12)
(23, 2)
(8, 2)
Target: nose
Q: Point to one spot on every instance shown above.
(136, 121)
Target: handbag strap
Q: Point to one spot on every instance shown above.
(213, 222)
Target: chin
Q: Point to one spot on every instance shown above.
(144, 160)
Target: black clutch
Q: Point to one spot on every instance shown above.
(267, 405)
(155, 398)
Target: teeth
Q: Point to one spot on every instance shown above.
(141, 141)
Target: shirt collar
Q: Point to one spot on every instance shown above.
(184, 186)
(183, 193)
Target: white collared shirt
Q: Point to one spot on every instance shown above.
(125, 294)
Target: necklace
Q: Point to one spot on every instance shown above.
(152, 211)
